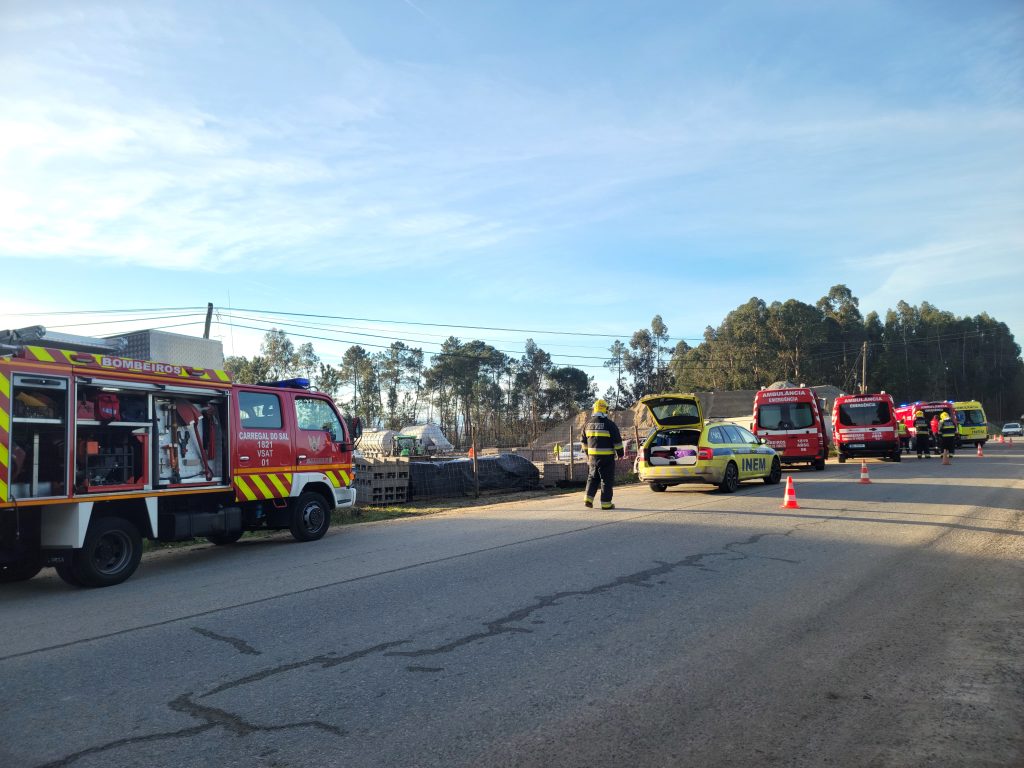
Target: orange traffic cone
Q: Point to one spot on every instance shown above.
(864, 472)
(1002, 439)
(980, 452)
(789, 500)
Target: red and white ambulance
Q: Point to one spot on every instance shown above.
(98, 451)
(792, 421)
(931, 409)
(865, 425)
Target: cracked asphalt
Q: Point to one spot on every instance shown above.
(876, 625)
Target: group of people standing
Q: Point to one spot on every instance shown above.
(941, 429)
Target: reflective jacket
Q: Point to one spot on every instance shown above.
(947, 428)
(921, 426)
(601, 437)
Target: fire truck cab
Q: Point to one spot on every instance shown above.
(99, 451)
(792, 421)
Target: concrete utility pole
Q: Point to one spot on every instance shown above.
(209, 317)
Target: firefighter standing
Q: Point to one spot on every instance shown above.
(922, 442)
(947, 434)
(602, 442)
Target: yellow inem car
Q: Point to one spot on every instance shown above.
(684, 448)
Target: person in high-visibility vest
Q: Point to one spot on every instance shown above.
(947, 434)
(602, 442)
(558, 451)
(922, 440)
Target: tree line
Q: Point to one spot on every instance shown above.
(915, 353)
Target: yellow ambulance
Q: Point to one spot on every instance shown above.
(972, 425)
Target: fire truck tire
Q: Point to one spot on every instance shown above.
(223, 539)
(110, 554)
(310, 517)
(66, 571)
(20, 571)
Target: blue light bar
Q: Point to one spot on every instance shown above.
(299, 383)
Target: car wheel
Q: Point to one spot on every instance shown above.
(110, 554)
(310, 517)
(731, 480)
(775, 474)
(658, 487)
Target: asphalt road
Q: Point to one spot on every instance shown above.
(879, 624)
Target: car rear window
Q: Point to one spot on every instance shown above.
(866, 414)
(785, 416)
(971, 418)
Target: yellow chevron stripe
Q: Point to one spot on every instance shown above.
(41, 353)
(281, 490)
(258, 482)
(5, 386)
(241, 485)
(3, 491)
(5, 421)
(223, 375)
(3, 455)
(347, 476)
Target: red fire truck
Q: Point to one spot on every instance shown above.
(865, 425)
(98, 451)
(792, 420)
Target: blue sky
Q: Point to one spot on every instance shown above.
(538, 166)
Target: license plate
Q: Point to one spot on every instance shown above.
(856, 445)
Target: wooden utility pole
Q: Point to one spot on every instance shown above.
(864, 369)
(476, 469)
(209, 317)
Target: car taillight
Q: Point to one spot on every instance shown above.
(705, 454)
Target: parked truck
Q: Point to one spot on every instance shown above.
(98, 451)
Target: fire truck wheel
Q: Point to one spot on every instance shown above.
(222, 539)
(66, 571)
(20, 571)
(111, 553)
(310, 517)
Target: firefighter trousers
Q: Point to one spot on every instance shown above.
(601, 473)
